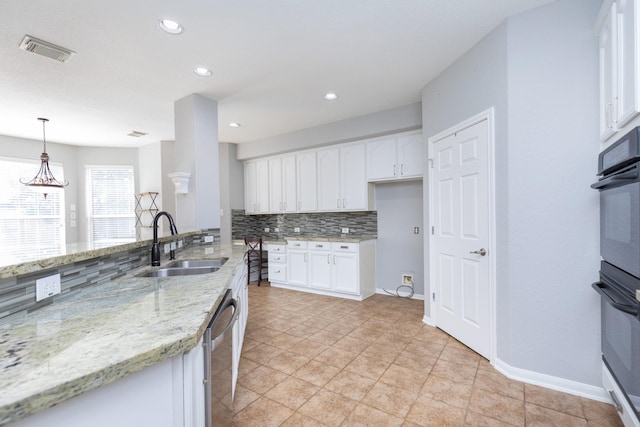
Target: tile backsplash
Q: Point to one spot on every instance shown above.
(310, 224)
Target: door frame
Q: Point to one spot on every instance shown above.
(489, 116)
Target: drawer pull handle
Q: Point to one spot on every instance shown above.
(319, 246)
(344, 247)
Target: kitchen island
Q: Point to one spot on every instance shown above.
(108, 332)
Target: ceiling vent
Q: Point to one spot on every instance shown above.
(41, 47)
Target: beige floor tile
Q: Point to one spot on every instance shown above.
(404, 378)
(284, 341)
(476, 420)
(336, 357)
(383, 351)
(262, 353)
(262, 379)
(263, 334)
(600, 413)
(432, 413)
(316, 372)
(392, 339)
(426, 348)
(459, 373)
(354, 345)
(299, 420)
(303, 330)
(369, 367)
(450, 392)
(366, 416)
(416, 361)
(558, 401)
(263, 412)
(493, 381)
(351, 385)
(292, 392)
(365, 333)
(537, 416)
(325, 337)
(389, 399)
(287, 362)
(340, 329)
(245, 366)
(502, 408)
(243, 397)
(328, 408)
(308, 348)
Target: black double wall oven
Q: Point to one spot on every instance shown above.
(619, 285)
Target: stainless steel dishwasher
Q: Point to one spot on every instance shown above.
(218, 361)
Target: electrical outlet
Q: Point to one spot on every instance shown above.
(407, 279)
(208, 239)
(267, 229)
(208, 251)
(296, 229)
(345, 230)
(179, 244)
(47, 287)
(167, 248)
(173, 246)
(276, 230)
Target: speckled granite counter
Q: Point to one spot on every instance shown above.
(315, 238)
(102, 333)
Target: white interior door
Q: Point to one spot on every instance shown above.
(460, 207)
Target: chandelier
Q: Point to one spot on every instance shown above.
(44, 181)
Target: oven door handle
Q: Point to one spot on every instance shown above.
(616, 180)
(600, 287)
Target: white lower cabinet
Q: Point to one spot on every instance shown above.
(345, 270)
(240, 292)
(277, 263)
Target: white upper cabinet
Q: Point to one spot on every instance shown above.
(307, 190)
(342, 182)
(329, 179)
(618, 44)
(250, 191)
(397, 157)
(256, 194)
(289, 185)
(275, 185)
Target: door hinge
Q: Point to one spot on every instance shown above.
(433, 230)
(431, 163)
(433, 295)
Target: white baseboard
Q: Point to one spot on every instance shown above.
(554, 383)
(427, 321)
(383, 292)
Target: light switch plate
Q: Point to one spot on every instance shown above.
(345, 230)
(47, 287)
(179, 244)
(638, 294)
(173, 246)
(167, 248)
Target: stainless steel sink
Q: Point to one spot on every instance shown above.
(179, 271)
(191, 263)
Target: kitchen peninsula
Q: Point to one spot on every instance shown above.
(90, 340)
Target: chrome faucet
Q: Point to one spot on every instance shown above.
(155, 249)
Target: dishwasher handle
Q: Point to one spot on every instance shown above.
(215, 341)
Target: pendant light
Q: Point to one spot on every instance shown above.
(44, 181)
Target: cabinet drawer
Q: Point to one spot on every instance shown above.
(297, 244)
(279, 249)
(319, 246)
(277, 273)
(277, 258)
(344, 247)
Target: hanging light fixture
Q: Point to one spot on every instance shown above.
(44, 181)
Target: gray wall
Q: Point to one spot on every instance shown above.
(231, 187)
(539, 70)
(382, 123)
(398, 249)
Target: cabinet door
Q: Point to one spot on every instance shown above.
(627, 78)
(410, 159)
(345, 273)
(250, 202)
(297, 266)
(329, 179)
(262, 186)
(289, 196)
(608, 72)
(307, 190)
(320, 269)
(353, 179)
(381, 159)
(275, 185)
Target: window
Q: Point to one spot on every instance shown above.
(31, 226)
(110, 205)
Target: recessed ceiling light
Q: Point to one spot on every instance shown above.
(330, 96)
(202, 71)
(234, 125)
(169, 26)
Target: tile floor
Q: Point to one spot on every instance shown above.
(312, 360)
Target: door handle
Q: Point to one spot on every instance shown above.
(481, 252)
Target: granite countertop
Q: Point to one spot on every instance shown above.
(102, 333)
(347, 238)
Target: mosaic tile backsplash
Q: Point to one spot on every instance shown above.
(310, 224)
(18, 293)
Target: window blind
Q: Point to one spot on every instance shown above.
(31, 226)
(110, 205)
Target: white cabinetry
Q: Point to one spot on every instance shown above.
(240, 292)
(342, 183)
(319, 255)
(398, 157)
(307, 192)
(619, 56)
(331, 268)
(277, 263)
(282, 184)
(256, 178)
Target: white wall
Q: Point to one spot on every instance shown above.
(539, 71)
(150, 179)
(398, 250)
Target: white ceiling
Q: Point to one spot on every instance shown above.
(272, 62)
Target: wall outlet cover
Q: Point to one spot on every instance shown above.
(407, 279)
(345, 230)
(208, 251)
(167, 248)
(276, 230)
(208, 239)
(267, 229)
(173, 246)
(296, 229)
(47, 287)
(179, 243)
